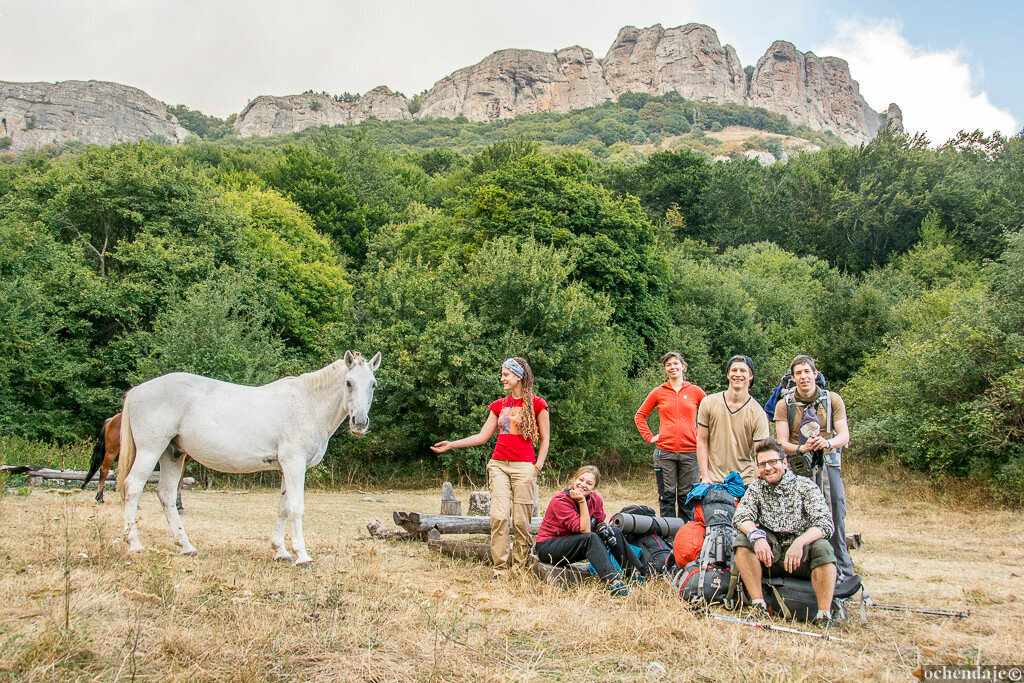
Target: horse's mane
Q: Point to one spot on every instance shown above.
(325, 376)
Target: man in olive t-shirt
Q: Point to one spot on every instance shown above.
(729, 423)
(833, 435)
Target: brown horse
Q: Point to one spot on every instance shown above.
(108, 445)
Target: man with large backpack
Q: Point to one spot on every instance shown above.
(813, 441)
(782, 525)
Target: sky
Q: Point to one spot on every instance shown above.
(948, 68)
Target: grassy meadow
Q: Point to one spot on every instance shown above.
(74, 605)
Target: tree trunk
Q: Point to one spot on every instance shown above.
(378, 530)
(417, 522)
(468, 550)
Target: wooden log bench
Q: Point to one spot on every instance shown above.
(36, 476)
(421, 523)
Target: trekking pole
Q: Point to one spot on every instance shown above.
(773, 627)
(927, 611)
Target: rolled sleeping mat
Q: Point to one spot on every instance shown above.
(641, 525)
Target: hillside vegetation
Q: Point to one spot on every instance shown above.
(614, 131)
(898, 266)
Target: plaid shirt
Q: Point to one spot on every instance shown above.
(789, 509)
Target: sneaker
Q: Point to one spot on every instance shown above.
(618, 589)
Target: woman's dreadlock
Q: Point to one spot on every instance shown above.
(528, 426)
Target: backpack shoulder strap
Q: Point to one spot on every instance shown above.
(790, 409)
(826, 400)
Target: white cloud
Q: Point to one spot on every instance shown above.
(936, 90)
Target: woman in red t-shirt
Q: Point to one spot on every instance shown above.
(521, 420)
(675, 452)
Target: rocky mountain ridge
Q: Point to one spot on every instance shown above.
(93, 112)
(814, 91)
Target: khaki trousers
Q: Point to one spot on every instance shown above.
(512, 485)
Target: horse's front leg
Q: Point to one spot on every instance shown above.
(293, 477)
(277, 541)
(167, 490)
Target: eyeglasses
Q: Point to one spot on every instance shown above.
(773, 462)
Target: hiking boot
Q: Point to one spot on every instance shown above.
(759, 612)
(824, 620)
(618, 589)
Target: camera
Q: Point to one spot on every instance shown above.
(605, 533)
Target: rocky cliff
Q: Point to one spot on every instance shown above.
(267, 115)
(688, 59)
(814, 91)
(97, 112)
(513, 82)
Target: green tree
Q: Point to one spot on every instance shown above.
(349, 188)
(443, 333)
(219, 329)
(552, 200)
(308, 294)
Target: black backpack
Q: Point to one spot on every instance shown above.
(709, 579)
(655, 550)
(793, 599)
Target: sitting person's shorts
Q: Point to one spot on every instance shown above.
(816, 554)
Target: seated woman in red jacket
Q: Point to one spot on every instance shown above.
(574, 529)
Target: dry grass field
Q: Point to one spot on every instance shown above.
(75, 605)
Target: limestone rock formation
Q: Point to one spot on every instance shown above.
(267, 115)
(687, 59)
(512, 82)
(763, 158)
(95, 112)
(893, 117)
(813, 91)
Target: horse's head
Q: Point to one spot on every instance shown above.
(360, 383)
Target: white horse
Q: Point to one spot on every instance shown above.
(284, 425)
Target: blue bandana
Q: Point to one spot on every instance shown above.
(514, 367)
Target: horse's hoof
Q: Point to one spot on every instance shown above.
(282, 558)
(181, 511)
(137, 548)
(190, 553)
(304, 563)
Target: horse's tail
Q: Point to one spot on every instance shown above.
(126, 457)
(98, 451)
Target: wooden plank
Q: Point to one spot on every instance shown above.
(450, 524)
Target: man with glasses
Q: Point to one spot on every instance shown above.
(783, 526)
(729, 423)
